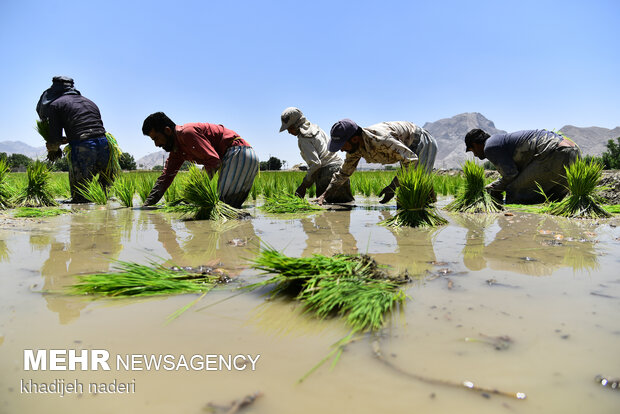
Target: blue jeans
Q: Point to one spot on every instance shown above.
(88, 158)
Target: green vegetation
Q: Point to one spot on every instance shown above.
(124, 189)
(473, 198)
(611, 157)
(288, 203)
(201, 199)
(39, 212)
(93, 191)
(414, 199)
(133, 279)
(582, 178)
(351, 286)
(37, 192)
(127, 162)
(43, 128)
(6, 191)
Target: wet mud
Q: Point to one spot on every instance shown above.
(518, 303)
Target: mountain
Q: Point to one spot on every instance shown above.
(149, 161)
(18, 147)
(450, 134)
(591, 140)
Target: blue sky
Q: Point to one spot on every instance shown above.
(525, 64)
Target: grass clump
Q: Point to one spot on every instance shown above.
(473, 198)
(132, 279)
(200, 198)
(351, 286)
(288, 203)
(124, 189)
(6, 191)
(37, 192)
(93, 191)
(38, 212)
(415, 197)
(582, 177)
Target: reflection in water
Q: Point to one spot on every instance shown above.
(282, 317)
(94, 240)
(476, 224)
(529, 244)
(40, 242)
(328, 234)
(4, 251)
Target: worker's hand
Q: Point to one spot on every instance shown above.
(388, 193)
(320, 200)
(301, 191)
(495, 194)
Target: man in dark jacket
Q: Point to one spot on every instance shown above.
(63, 107)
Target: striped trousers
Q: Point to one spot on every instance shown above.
(239, 167)
(426, 151)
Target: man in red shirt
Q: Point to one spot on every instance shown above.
(212, 145)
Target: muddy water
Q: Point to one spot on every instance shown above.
(548, 288)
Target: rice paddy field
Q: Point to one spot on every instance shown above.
(515, 311)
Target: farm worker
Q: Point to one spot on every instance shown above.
(525, 160)
(385, 143)
(65, 108)
(212, 145)
(322, 164)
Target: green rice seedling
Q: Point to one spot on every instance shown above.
(288, 203)
(93, 191)
(113, 169)
(6, 191)
(124, 189)
(43, 128)
(473, 198)
(414, 199)
(132, 279)
(144, 185)
(39, 212)
(37, 192)
(351, 286)
(201, 200)
(173, 195)
(582, 202)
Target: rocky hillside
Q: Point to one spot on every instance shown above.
(18, 147)
(592, 140)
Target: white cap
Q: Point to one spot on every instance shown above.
(290, 116)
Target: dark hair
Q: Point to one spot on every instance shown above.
(157, 121)
(477, 136)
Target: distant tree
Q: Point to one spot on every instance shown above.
(61, 164)
(15, 160)
(3, 156)
(592, 158)
(127, 161)
(611, 157)
(157, 167)
(273, 164)
(185, 166)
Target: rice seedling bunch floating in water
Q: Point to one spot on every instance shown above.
(124, 188)
(201, 200)
(6, 192)
(93, 191)
(351, 286)
(288, 203)
(37, 192)
(132, 279)
(415, 197)
(473, 198)
(582, 177)
(39, 212)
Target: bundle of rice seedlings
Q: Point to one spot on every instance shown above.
(414, 199)
(132, 279)
(201, 200)
(351, 286)
(113, 168)
(6, 192)
(124, 189)
(93, 191)
(144, 185)
(37, 192)
(582, 202)
(288, 203)
(43, 128)
(172, 195)
(473, 198)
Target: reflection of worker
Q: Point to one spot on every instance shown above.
(65, 108)
(91, 248)
(214, 146)
(385, 143)
(322, 164)
(526, 160)
(328, 234)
